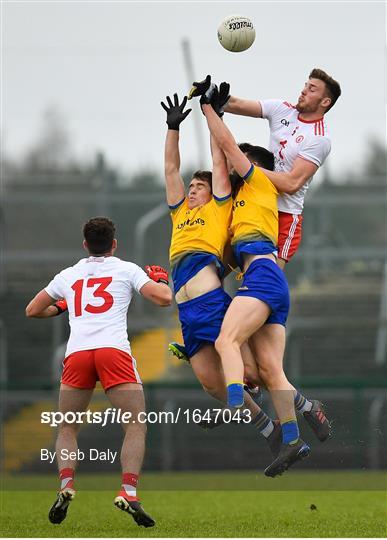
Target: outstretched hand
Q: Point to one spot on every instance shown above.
(217, 97)
(200, 87)
(175, 112)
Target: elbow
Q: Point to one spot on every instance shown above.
(292, 187)
(290, 190)
(165, 299)
(170, 170)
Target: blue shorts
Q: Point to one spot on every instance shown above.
(266, 281)
(201, 319)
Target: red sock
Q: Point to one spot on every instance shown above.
(66, 477)
(129, 486)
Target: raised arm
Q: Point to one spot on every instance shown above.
(292, 181)
(173, 180)
(232, 104)
(243, 107)
(226, 142)
(221, 185)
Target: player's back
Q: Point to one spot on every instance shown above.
(98, 291)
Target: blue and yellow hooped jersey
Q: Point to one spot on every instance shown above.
(201, 233)
(254, 223)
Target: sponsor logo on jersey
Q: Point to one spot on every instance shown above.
(238, 203)
(285, 122)
(198, 221)
(299, 139)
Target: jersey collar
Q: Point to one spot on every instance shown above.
(310, 121)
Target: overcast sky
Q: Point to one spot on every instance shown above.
(106, 65)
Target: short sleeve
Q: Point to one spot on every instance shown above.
(316, 150)
(55, 288)
(272, 107)
(175, 207)
(138, 278)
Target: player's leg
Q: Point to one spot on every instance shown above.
(117, 371)
(289, 239)
(207, 366)
(208, 370)
(289, 236)
(244, 317)
(269, 346)
(129, 397)
(74, 400)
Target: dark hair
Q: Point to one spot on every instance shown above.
(206, 176)
(332, 86)
(99, 234)
(259, 155)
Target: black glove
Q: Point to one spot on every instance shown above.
(199, 88)
(224, 96)
(175, 113)
(217, 98)
(211, 97)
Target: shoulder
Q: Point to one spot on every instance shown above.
(71, 270)
(276, 106)
(222, 202)
(176, 208)
(129, 267)
(316, 139)
(258, 179)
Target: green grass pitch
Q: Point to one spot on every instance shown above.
(195, 512)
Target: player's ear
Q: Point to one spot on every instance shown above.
(114, 244)
(326, 102)
(84, 243)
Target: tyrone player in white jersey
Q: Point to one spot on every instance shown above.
(300, 142)
(97, 292)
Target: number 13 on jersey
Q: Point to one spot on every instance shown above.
(100, 292)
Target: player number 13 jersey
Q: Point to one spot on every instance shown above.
(98, 291)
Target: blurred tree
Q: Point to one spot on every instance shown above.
(375, 162)
(52, 148)
(145, 181)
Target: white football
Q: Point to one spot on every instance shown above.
(236, 33)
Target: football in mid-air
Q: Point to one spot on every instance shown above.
(236, 33)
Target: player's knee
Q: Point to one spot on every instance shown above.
(214, 391)
(270, 375)
(223, 342)
(137, 425)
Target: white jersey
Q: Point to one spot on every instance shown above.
(291, 137)
(98, 291)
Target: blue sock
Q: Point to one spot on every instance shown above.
(235, 395)
(290, 433)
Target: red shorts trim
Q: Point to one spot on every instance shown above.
(289, 234)
(82, 369)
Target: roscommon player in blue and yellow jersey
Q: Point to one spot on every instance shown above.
(200, 223)
(262, 301)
